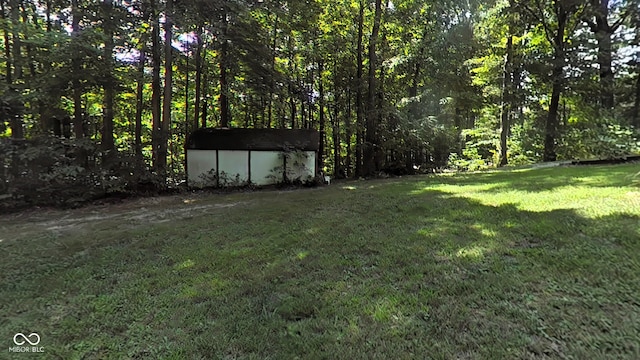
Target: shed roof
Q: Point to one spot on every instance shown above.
(253, 139)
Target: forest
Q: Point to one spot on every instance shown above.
(98, 97)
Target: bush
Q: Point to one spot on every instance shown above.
(469, 161)
(51, 171)
(603, 140)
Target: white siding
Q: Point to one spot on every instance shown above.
(200, 162)
(262, 165)
(266, 167)
(235, 165)
(301, 167)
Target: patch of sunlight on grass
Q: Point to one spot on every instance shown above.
(349, 188)
(302, 254)
(384, 309)
(188, 292)
(185, 264)
(472, 252)
(484, 231)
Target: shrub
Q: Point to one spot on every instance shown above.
(602, 139)
(51, 171)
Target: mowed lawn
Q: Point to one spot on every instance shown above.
(521, 264)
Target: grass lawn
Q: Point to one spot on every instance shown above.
(523, 264)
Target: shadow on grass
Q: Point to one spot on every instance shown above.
(450, 276)
(379, 271)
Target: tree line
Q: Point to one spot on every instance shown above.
(102, 94)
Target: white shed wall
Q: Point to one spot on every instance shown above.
(302, 167)
(200, 162)
(262, 165)
(235, 165)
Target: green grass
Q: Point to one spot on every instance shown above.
(522, 264)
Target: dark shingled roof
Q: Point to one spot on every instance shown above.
(253, 139)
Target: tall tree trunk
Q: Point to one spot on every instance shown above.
(155, 87)
(205, 93)
(292, 87)
(198, 85)
(108, 146)
(505, 116)
(321, 116)
(15, 36)
(348, 133)
(372, 113)
(30, 59)
(76, 68)
(168, 87)
(7, 46)
(273, 69)
(359, 85)
(225, 113)
(335, 130)
(603, 32)
(140, 98)
(551, 126)
(186, 90)
(17, 131)
(636, 105)
(335, 121)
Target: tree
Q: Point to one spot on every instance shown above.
(557, 19)
(598, 19)
(371, 140)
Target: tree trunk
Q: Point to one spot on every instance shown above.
(636, 105)
(348, 133)
(196, 116)
(551, 126)
(167, 96)
(29, 47)
(273, 69)
(76, 68)
(225, 114)
(372, 113)
(17, 131)
(359, 85)
(7, 46)
(603, 33)
(205, 92)
(108, 146)
(15, 36)
(140, 98)
(321, 116)
(337, 166)
(155, 88)
(505, 117)
(186, 90)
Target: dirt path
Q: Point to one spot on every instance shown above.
(128, 213)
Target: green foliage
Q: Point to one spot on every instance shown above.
(67, 172)
(603, 139)
(469, 161)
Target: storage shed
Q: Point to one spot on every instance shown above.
(236, 157)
